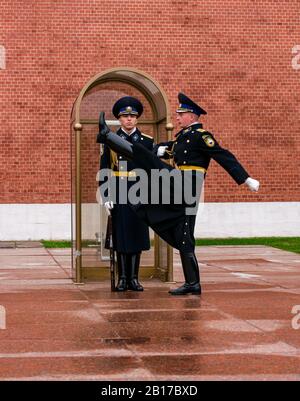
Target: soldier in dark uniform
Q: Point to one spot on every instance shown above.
(191, 151)
(130, 234)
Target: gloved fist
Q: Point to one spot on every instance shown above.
(252, 184)
(161, 151)
(108, 207)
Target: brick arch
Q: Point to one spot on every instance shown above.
(101, 92)
(142, 81)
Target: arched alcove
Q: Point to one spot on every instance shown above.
(90, 259)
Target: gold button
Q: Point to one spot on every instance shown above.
(184, 162)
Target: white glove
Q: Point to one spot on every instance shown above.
(108, 207)
(252, 184)
(161, 151)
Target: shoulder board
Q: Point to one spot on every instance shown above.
(147, 136)
(201, 130)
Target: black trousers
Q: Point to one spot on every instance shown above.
(173, 223)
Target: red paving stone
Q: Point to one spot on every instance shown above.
(239, 329)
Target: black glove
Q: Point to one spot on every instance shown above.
(103, 128)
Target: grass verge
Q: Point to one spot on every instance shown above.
(291, 244)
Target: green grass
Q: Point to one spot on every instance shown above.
(291, 244)
(65, 244)
(56, 244)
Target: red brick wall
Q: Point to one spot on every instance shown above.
(234, 58)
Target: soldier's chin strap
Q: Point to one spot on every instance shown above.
(113, 141)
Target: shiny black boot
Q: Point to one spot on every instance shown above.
(113, 141)
(133, 265)
(142, 157)
(122, 281)
(191, 275)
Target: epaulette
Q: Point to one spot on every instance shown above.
(147, 136)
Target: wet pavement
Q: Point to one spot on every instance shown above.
(243, 327)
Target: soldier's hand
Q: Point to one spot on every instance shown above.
(252, 184)
(161, 151)
(108, 207)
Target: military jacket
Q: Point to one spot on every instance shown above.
(130, 233)
(112, 160)
(194, 146)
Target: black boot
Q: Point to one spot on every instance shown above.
(133, 272)
(191, 275)
(113, 141)
(122, 282)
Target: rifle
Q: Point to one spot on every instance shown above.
(111, 254)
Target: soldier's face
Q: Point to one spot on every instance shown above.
(128, 122)
(185, 119)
